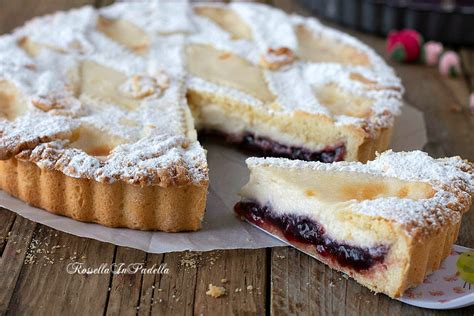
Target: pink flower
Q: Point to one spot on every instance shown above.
(450, 64)
(404, 45)
(432, 51)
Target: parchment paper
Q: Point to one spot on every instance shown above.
(221, 229)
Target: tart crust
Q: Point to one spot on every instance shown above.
(151, 207)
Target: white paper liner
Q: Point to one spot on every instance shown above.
(221, 228)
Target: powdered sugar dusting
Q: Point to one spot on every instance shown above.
(207, 32)
(451, 178)
(70, 33)
(48, 74)
(32, 129)
(291, 96)
(271, 28)
(199, 84)
(156, 16)
(161, 160)
(160, 143)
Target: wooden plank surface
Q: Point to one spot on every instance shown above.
(13, 258)
(34, 258)
(44, 286)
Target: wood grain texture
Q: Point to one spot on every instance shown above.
(244, 273)
(183, 290)
(45, 287)
(7, 219)
(171, 293)
(125, 288)
(34, 258)
(149, 290)
(12, 260)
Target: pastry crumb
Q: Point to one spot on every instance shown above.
(250, 288)
(224, 280)
(191, 260)
(215, 291)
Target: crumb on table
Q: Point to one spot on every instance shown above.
(215, 291)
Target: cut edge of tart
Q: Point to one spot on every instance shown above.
(387, 223)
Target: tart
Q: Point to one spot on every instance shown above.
(99, 107)
(387, 223)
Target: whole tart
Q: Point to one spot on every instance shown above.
(387, 223)
(99, 107)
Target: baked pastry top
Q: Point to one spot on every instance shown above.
(312, 88)
(387, 223)
(121, 72)
(116, 94)
(78, 102)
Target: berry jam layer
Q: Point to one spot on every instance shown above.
(268, 147)
(303, 230)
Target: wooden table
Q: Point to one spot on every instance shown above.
(33, 261)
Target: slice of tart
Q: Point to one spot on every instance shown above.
(387, 223)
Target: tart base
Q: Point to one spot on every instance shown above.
(169, 209)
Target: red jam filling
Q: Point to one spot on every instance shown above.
(305, 230)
